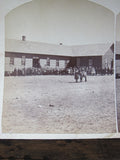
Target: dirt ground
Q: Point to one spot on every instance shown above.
(56, 104)
(118, 100)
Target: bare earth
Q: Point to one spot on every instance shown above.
(118, 100)
(56, 104)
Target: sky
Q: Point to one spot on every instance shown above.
(71, 22)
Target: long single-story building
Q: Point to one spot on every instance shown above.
(24, 57)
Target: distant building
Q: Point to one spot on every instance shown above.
(118, 60)
(26, 57)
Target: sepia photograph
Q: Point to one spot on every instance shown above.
(118, 70)
(59, 69)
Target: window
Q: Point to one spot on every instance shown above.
(57, 63)
(23, 60)
(36, 62)
(90, 62)
(12, 60)
(48, 61)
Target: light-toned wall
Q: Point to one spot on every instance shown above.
(107, 59)
(72, 22)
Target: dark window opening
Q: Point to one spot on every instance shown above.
(71, 63)
(36, 63)
(90, 62)
(48, 61)
(57, 63)
(112, 63)
(23, 60)
(23, 38)
(66, 62)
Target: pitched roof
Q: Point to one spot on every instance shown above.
(53, 49)
(91, 49)
(12, 45)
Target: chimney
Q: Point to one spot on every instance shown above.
(23, 38)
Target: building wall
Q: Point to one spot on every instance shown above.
(118, 60)
(21, 61)
(28, 63)
(14, 61)
(95, 61)
(107, 59)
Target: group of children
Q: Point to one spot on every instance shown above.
(80, 74)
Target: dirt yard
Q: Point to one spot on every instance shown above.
(118, 100)
(56, 104)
